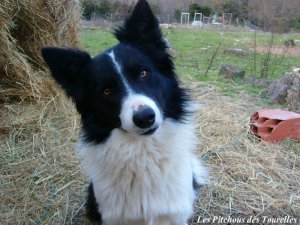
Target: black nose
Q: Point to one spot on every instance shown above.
(144, 117)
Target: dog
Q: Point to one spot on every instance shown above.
(138, 140)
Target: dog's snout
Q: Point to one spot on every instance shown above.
(144, 117)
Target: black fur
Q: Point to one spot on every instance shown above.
(142, 30)
(84, 79)
(196, 185)
(92, 206)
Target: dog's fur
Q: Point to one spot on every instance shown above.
(138, 137)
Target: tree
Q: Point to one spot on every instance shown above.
(232, 7)
(195, 8)
(89, 7)
(104, 7)
(120, 7)
(177, 14)
(100, 7)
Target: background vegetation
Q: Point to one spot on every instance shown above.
(195, 48)
(270, 15)
(41, 181)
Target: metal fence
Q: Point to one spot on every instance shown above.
(110, 20)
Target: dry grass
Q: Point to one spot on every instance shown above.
(38, 125)
(40, 178)
(249, 177)
(25, 27)
(41, 181)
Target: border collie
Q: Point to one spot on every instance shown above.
(138, 137)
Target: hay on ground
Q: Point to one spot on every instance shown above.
(43, 183)
(249, 177)
(38, 125)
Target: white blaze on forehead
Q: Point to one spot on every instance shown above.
(118, 68)
(133, 101)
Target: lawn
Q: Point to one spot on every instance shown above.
(195, 49)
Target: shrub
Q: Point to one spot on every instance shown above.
(195, 8)
(101, 7)
(177, 14)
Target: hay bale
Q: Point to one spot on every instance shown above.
(13, 65)
(42, 22)
(25, 27)
(38, 125)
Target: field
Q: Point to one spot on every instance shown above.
(42, 182)
(195, 49)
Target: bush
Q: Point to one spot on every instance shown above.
(88, 8)
(177, 14)
(102, 7)
(232, 7)
(155, 8)
(296, 24)
(120, 7)
(195, 8)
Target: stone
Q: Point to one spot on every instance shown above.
(278, 89)
(293, 95)
(289, 42)
(296, 70)
(231, 72)
(234, 51)
(170, 49)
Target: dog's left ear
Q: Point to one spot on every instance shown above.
(141, 27)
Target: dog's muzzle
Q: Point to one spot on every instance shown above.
(140, 115)
(144, 117)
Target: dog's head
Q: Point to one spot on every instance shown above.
(131, 86)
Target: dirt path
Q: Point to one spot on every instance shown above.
(279, 50)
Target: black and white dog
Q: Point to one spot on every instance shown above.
(138, 137)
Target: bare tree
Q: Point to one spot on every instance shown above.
(272, 15)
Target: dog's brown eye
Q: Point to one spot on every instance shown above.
(107, 91)
(143, 74)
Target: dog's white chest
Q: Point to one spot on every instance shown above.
(142, 177)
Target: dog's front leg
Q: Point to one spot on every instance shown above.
(200, 174)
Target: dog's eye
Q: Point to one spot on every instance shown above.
(106, 91)
(143, 74)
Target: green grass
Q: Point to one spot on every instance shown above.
(97, 40)
(195, 48)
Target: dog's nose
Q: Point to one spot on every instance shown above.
(144, 117)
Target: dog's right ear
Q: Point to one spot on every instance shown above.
(141, 27)
(66, 65)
